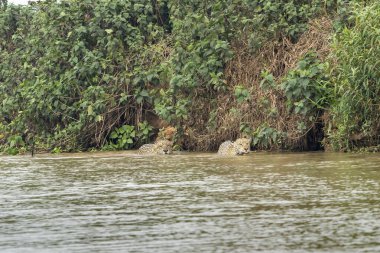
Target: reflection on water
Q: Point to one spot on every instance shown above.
(122, 202)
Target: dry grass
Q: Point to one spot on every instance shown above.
(264, 106)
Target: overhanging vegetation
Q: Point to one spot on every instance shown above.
(76, 75)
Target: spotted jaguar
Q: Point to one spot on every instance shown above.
(240, 147)
(160, 147)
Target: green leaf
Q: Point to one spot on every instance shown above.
(144, 93)
(90, 110)
(114, 135)
(98, 118)
(139, 100)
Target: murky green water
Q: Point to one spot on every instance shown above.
(121, 202)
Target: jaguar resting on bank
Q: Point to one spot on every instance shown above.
(160, 147)
(240, 147)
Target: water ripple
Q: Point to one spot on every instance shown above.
(123, 202)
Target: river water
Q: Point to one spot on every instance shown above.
(197, 202)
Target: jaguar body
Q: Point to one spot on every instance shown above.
(160, 147)
(240, 147)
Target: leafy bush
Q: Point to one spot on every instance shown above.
(127, 137)
(265, 137)
(84, 74)
(356, 79)
(241, 93)
(72, 71)
(15, 145)
(123, 137)
(307, 95)
(204, 31)
(306, 87)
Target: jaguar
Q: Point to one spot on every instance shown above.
(164, 147)
(240, 147)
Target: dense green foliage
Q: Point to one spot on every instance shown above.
(73, 71)
(77, 74)
(356, 77)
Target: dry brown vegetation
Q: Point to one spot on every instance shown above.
(264, 106)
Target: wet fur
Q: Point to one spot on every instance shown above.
(239, 147)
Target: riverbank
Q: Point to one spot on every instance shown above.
(81, 75)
